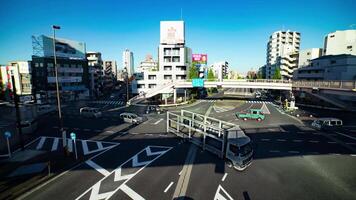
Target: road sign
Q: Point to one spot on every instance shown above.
(198, 82)
(7, 134)
(72, 135)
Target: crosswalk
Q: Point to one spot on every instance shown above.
(109, 102)
(84, 147)
(207, 100)
(267, 102)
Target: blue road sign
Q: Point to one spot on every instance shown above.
(198, 82)
(7, 134)
(72, 135)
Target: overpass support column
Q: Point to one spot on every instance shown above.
(174, 95)
(185, 95)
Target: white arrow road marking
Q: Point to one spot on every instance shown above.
(40, 144)
(167, 188)
(219, 196)
(97, 168)
(130, 192)
(157, 122)
(130, 163)
(265, 109)
(70, 145)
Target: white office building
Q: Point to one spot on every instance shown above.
(220, 70)
(306, 55)
(149, 64)
(340, 42)
(282, 53)
(128, 62)
(174, 59)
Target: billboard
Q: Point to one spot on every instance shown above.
(172, 32)
(200, 58)
(43, 47)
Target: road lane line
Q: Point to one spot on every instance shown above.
(40, 144)
(274, 151)
(55, 144)
(351, 143)
(297, 140)
(98, 168)
(131, 193)
(157, 122)
(180, 172)
(281, 140)
(346, 135)
(313, 141)
(293, 151)
(331, 142)
(223, 178)
(264, 139)
(353, 155)
(167, 188)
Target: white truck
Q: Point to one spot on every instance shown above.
(222, 138)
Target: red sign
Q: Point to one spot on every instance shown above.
(200, 58)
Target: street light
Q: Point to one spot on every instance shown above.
(61, 131)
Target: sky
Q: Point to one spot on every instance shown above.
(233, 30)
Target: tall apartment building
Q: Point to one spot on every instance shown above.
(282, 52)
(174, 59)
(306, 55)
(128, 62)
(220, 69)
(72, 69)
(340, 42)
(110, 74)
(21, 70)
(96, 73)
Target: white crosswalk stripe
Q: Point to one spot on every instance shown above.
(266, 102)
(109, 102)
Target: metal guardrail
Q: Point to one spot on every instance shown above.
(343, 85)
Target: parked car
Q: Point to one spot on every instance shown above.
(131, 118)
(327, 124)
(90, 112)
(155, 109)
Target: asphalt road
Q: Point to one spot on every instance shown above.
(291, 161)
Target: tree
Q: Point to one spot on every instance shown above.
(193, 72)
(277, 74)
(259, 75)
(211, 76)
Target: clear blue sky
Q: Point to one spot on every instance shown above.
(236, 30)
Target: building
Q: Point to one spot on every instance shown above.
(110, 74)
(340, 42)
(220, 70)
(148, 64)
(121, 75)
(128, 62)
(174, 59)
(282, 53)
(252, 74)
(262, 72)
(72, 69)
(21, 70)
(306, 55)
(331, 67)
(96, 73)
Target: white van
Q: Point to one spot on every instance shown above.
(327, 124)
(131, 118)
(90, 112)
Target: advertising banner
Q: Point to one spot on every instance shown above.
(172, 32)
(200, 58)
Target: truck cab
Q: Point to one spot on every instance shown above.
(239, 150)
(252, 114)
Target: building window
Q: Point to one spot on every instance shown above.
(308, 53)
(152, 77)
(332, 61)
(65, 65)
(167, 68)
(349, 47)
(50, 65)
(151, 85)
(167, 77)
(176, 59)
(331, 36)
(167, 59)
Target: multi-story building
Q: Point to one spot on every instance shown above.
(174, 60)
(96, 73)
(282, 53)
(306, 55)
(220, 69)
(331, 67)
(148, 64)
(128, 62)
(340, 42)
(110, 74)
(262, 72)
(72, 69)
(21, 70)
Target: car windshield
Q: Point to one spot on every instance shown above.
(245, 149)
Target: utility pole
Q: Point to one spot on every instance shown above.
(18, 115)
(61, 131)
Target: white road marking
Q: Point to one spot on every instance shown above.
(265, 139)
(351, 143)
(167, 188)
(98, 168)
(180, 172)
(281, 140)
(40, 144)
(346, 135)
(293, 151)
(297, 140)
(70, 145)
(313, 141)
(219, 196)
(55, 144)
(223, 178)
(331, 142)
(353, 155)
(110, 131)
(131, 193)
(274, 151)
(158, 121)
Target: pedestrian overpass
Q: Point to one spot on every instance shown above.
(348, 87)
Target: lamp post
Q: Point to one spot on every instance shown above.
(61, 131)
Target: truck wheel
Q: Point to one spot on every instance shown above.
(245, 119)
(259, 119)
(229, 163)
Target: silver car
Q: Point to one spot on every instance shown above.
(131, 118)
